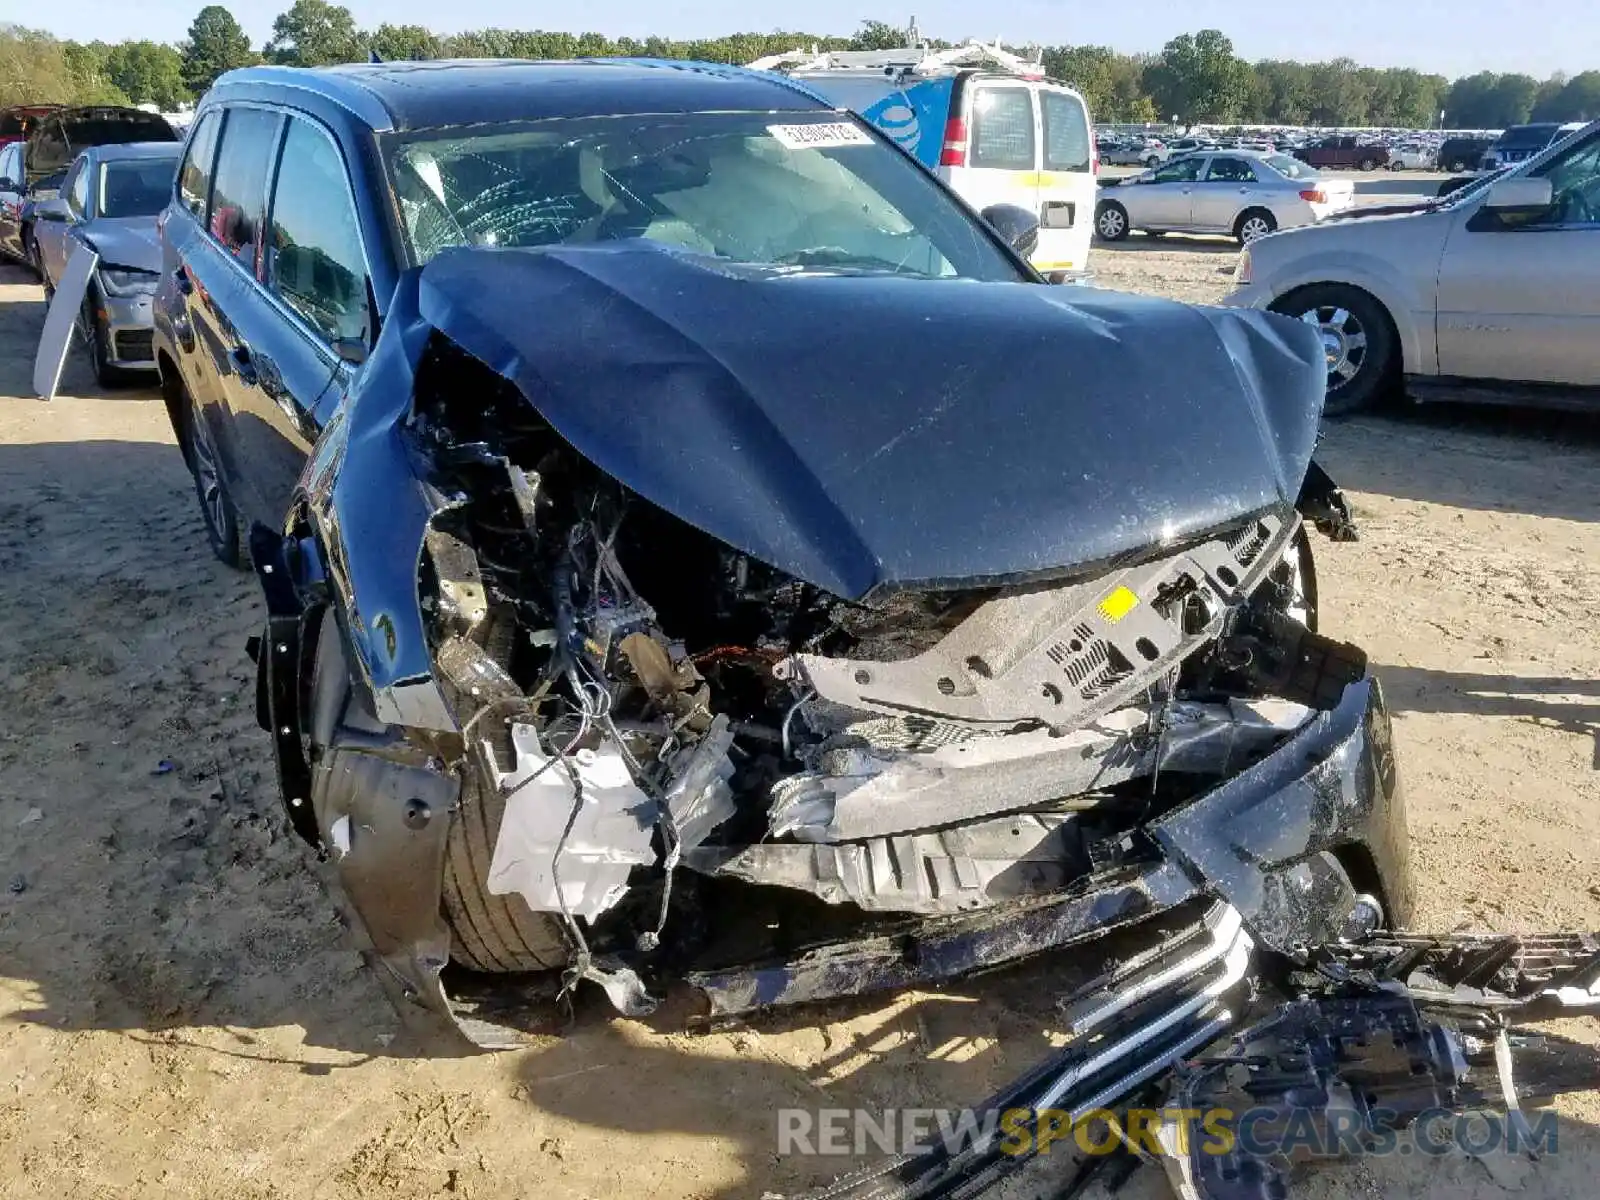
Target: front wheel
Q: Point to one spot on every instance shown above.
(1254, 223)
(1458, 164)
(1358, 341)
(1368, 164)
(1152, 162)
(1111, 222)
(1397, 166)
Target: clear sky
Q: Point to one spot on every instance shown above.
(1452, 37)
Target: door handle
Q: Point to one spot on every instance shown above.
(243, 365)
(185, 284)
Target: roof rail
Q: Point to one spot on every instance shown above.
(910, 60)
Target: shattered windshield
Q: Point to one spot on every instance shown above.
(780, 189)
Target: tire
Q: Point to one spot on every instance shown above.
(1152, 162)
(30, 252)
(1397, 165)
(217, 510)
(496, 934)
(1457, 165)
(1111, 222)
(1254, 223)
(1359, 373)
(1367, 164)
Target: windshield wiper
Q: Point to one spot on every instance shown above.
(834, 256)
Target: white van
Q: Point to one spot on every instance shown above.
(997, 133)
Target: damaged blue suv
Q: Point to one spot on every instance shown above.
(672, 502)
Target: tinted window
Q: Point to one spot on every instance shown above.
(78, 193)
(194, 176)
(1182, 170)
(1230, 170)
(314, 258)
(1066, 132)
(1003, 129)
(136, 187)
(239, 189)
(788, 191)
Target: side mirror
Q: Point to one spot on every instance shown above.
(1519, 196)
(1019, 226)
(52, 210)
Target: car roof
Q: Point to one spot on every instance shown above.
(134, 150)
(420, 95)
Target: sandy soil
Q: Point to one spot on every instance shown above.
(183, 1014)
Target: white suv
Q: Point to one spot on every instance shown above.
(1492, 292)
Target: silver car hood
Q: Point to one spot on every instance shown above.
(124, 241)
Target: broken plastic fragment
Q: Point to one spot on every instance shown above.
(609, 835)
(339, 835)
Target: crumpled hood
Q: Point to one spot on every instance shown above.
(125, 241)
(858, 431)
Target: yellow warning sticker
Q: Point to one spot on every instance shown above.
(1118, 604)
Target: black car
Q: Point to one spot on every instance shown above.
(32, 169)
(697, 548)
(1459, 154)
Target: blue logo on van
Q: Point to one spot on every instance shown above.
(914, 117)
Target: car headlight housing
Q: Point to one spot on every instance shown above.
(127, 281)
(1242, 269)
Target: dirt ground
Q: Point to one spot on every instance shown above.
(184, 1015)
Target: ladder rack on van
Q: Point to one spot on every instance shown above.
(906, 61)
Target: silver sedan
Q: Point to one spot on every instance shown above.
(1246, 193)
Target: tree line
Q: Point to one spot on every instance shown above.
(1196, 77)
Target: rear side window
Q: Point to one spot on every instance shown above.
(1066, 132)
(11, 163)
(314, 257)
(1002, 134)
(239, 189)
(194, 176)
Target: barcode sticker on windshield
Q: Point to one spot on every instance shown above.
(820, 137)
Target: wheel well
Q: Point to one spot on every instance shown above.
(176, 400)
(1284, 305)
(1254, 208)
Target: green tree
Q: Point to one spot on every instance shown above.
(216, 43)
(33, 69)
(1199, 78)
(878, 35)
(148, 73)
(397, 43)
(1563, 99)
(314, 33)
(1514, 96)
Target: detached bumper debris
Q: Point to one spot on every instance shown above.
(1363, 1040)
